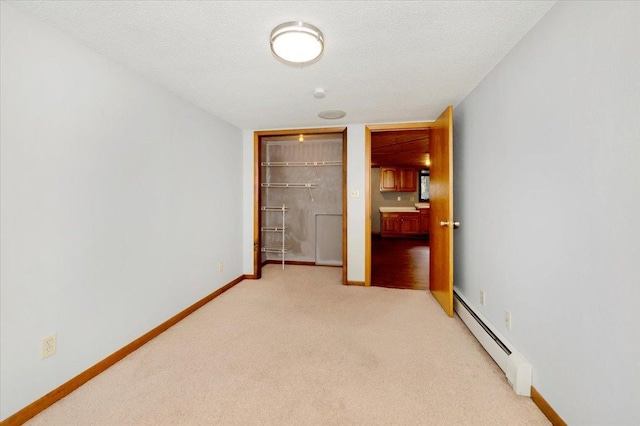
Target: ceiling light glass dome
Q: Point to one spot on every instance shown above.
(297, 42)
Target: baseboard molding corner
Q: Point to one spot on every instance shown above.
(66, 388)
(546, 409)
(357, 283)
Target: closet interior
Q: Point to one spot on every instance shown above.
(301, 199)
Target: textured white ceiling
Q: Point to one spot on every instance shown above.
(384, 61)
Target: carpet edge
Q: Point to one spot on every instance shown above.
(39, 405)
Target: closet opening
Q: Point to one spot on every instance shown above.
(300, 198)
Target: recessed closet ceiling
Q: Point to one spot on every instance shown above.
(384, 61)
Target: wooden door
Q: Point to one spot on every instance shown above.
(441, 212)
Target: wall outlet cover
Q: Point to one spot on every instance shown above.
(507, 320)
(48, 346)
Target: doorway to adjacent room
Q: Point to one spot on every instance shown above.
(399, 234)
(434, 147)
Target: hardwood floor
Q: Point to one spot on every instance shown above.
(400, 262)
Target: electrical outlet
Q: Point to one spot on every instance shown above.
(220, 266)
(507, 320)
(47, 346)
(399, 198)
(355, 193)
(481, 297)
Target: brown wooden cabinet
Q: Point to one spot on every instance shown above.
(398, 179)
(408, 180)
(424, 221)
(389, 223)
(410, 224)
(388, 179)
(399, 224)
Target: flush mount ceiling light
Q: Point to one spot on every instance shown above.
(297, 42)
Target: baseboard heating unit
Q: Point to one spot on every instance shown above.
(515, 366)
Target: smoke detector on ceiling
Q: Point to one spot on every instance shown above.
(319, 93)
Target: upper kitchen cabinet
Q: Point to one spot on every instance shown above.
(408, 180)
(388, 180)
(400, 154)
(398, 179)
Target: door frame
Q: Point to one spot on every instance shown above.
(257, 193)
(369, 129)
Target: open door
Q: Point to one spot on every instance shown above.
(441, 200)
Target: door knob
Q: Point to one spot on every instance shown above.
(455, 224)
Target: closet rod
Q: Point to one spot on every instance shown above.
(273, 228)
(300, 163)
(289, 185)
(274, 249)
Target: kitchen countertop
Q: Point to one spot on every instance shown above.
(398, 210)
(415, 209)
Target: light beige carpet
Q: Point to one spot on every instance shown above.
(297, 348)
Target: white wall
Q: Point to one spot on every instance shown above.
(118, 200)
(355, 206)
(547, 187)
(248, 162)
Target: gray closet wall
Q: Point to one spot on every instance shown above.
(313, 218)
